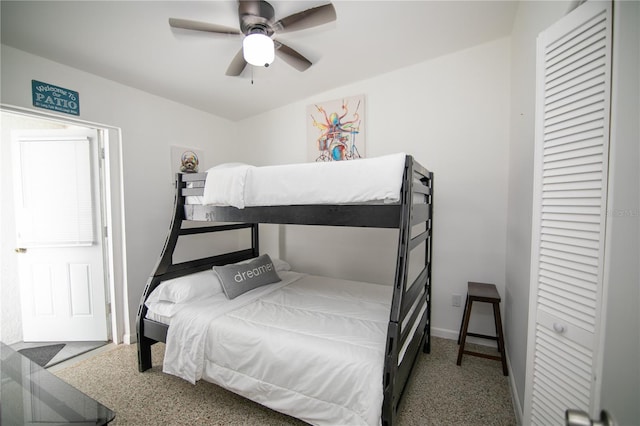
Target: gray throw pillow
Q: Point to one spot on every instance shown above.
(237, 279)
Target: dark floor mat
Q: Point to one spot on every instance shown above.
(41, 355)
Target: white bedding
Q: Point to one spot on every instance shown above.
(308, 346)
(376, 179)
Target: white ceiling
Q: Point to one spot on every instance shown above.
(131, 43)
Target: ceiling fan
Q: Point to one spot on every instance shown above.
(258, 25)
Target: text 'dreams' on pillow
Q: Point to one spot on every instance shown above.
(238, 279)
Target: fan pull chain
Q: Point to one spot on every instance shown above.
(252, 75)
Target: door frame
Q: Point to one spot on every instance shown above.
(112, 217)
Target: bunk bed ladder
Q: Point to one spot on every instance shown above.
(409, 325)
(149, 332)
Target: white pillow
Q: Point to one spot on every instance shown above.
(162, 308)
(186, 288)
(197, 285)
(228, 165)
(280, 264)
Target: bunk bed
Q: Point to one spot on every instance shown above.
(406, 327)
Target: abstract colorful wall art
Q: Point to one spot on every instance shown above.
(335, 130)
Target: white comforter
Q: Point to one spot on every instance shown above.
(309, 346)
(376, 179)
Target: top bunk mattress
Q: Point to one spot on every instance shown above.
(371, 180)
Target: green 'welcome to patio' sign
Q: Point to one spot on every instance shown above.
(55, 98)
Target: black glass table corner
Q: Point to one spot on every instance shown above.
(29, 395)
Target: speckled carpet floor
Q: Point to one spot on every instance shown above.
(439, 392)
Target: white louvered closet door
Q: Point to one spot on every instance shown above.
(570, 191)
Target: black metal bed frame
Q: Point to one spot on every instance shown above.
(409, 323)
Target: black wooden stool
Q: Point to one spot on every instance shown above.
(480, 292)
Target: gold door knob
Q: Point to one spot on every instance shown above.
(21, 250)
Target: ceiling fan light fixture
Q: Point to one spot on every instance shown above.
(258, 49)
(260, 31)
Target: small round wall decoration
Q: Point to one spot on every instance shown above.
(189, 162)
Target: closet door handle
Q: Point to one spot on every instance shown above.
(559, 328)
(581, 418)
(20, 250)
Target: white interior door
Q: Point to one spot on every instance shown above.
(59, 227)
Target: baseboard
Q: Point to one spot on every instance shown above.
(444, 333)
(129, 339)
(517, 407)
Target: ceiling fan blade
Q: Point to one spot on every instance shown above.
(237, 65)
(291, 57)
(187, 24)
(306, 19)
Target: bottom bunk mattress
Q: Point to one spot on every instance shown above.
(308, 346)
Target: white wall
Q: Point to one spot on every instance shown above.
(452, 115)
(150, 126)
(532, 17)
